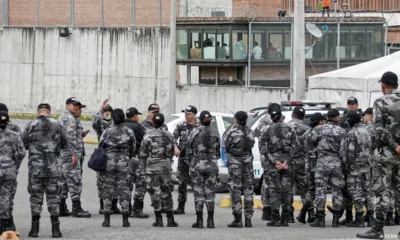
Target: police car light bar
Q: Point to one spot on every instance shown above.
(307, 102)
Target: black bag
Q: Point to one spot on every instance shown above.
(98, 159)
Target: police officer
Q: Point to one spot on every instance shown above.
(72, 170)
(44, 137)
(386, 160)
(203, 152)
(12, 152)
(132, 122)
(277, 146)
(317, 119)
(299, 163)
(120, 144)
(156, 152)
(16, 129)
(100, 122)
(181, 135)
(352, 104)
(330, 146)
(358, 149)
(238, 144)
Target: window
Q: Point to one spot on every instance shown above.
(259, 45)
(375, 41)
(182, 49)
(195, 44)
(228, 121)
(223, 44)
(209, 44)
(239, 44)
(325, 48)
(358, 44)
(274, 45)
(217, 14)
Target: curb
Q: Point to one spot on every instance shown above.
(90, 140)
(297, 204)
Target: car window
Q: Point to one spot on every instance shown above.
(170, 119)
(228, 121)
(214, 123)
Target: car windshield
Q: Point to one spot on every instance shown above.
(254, 118)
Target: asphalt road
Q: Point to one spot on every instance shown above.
(74, 228)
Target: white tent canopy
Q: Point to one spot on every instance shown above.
(360, 81)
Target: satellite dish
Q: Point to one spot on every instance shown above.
(314, 30)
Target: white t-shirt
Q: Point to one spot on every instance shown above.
(257, 51)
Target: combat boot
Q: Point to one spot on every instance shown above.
(77, 210)
(370, 218)
(106, 222)
(349, 217)
(336, 218)
(311, 215)
(237, 223)
(291, 215)
(210, 219)
(114, 207)
(376, 232)
(180, 209)
(159, 220)
(247, 222)
(274, 219)
(137, 209)
(266, 216)
(319, 220)
(359, 221)
(199, 220)
(389, 221)
(125, 221)
(35, 227)
(55, 227)
(396, 218)
(64, 212)
(302, 215)
(12, 224)
(101, 210)
(285, 218)
(170, 220)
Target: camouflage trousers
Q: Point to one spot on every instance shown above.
(311, 169)
(51, 187)
(140, 186)
(300, 179)
(241, 177)
(280, 186)
(71, 180)
(381, 187)
(12, 196)
(265, 193)
(6, 188)
(159, 188)
(359, 187)
(329, 173)
(183, 177)
(112, 182)
(204, 185)
(393, 172)
(347, 199)
(100, 183)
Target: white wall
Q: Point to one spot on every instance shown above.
(129, 68)
(203, 8)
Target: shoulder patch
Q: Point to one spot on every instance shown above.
(72, 125)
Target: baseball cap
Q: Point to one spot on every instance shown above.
(158, 119)
(368, 111)
(241, 116)
(154, 107)
(352, 100)
(389, 78)
(333, 113)
(44, 105)
(273, 106)
(317, 117)
(132, 112)
(74, 101)
(354, 115)
(4, 118)
(190, 109)
(205, 114)
(3, 107)
(108, 108)
(299, 111)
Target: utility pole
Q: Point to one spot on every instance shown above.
(172, 60)
(299, 78)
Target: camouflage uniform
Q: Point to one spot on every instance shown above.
(72, 173)
(311, 161)
(329, 139)
(44, 138)
(12, 152)
(238, 144)
(299, 162)
(156, 152)
(265, 195)
(181, 134)
(277, 144)
(120, 144)
(358, 150)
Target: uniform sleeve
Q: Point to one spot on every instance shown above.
(25, 136)
(228, 142)
(189, 146)
(19, 152)
(144, 154)
(263, 145)
(72, 137)
(382, 134)
(349, 146)
(218, 146)
(16, 129)
(295, 146)
(176, 134)
(64, 139)
(96, 123)
(133, 145)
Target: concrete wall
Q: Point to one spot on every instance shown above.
(131, 68)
